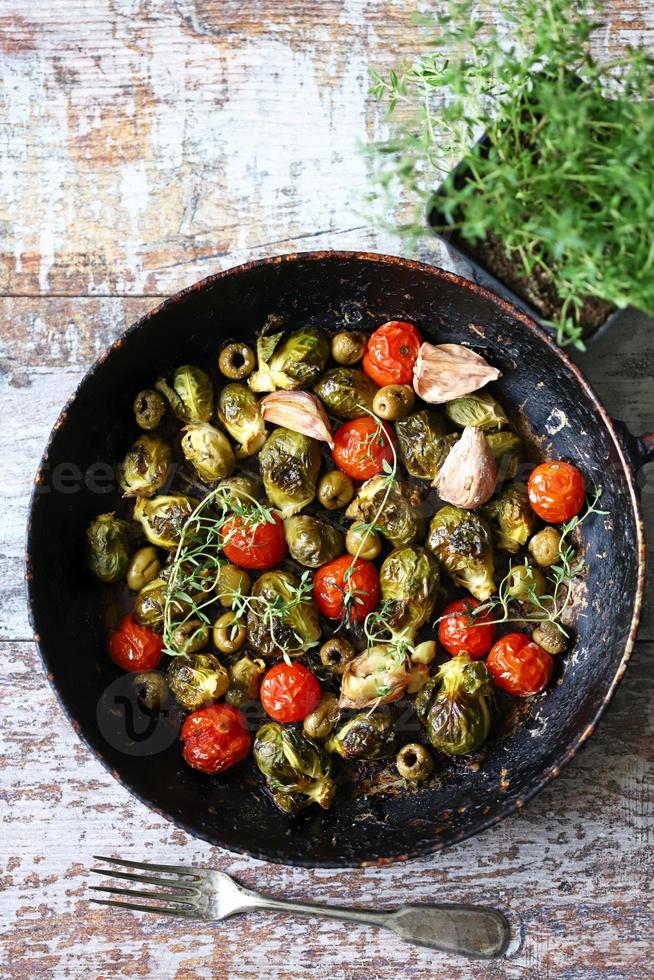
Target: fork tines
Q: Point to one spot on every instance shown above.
(179, 889)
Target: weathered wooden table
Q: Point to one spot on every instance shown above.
(145, 144)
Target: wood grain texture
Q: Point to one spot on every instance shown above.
(143, 145)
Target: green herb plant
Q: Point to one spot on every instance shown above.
(564, 180)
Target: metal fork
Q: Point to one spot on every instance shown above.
(201, 893)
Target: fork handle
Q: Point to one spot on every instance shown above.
(469, 930)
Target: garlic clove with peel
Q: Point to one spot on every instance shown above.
(446, 371)
(467, 477)
(299, 411)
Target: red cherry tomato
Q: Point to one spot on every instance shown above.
(289, 692)
(346, 587)
(519, 665)
(261, 546)
(458, 634)
(215, 738)
(391, 353)
(556, 491)
(133, 647)
(360, 449)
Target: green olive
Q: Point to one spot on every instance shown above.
(149, 408)
(424, 652)
(393, 402)
(236, 361)
(348, 347)
(414, 762)
(229, 634)
(549, 637)
(143, 568)
(230, 581)
(320, 722)
(336, 654)
(362, 543)
(545, 546)
(524, 581)
(335, 490)
(190, 636)
(151, 689)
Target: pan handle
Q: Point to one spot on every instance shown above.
(640, 449)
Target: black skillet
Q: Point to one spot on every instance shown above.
(332, 289)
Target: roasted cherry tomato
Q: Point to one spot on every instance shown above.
(519, 665)
(360, 448)
(346, 588)
(391, 353)
(215, 738)
(261, 546)
(460, 634)
(289, 692)
(134, 647)
(556, 491)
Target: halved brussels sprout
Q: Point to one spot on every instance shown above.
(510, 517)
(454, 707)
(347, 392)
(190, 395)
(289, 464)
(144, 469)
(424, 443)
(461, 540)
(109, 547)
(163, 518)
(290, 363)
(150, 602)
(409, 579)
(377, 676)
(238, 411)
(312, 542)
(369, 735)
(281, 617)
(208, 450)
(508, 451)
(480, 410)
(296, 769)
(399, 519)
(197, 680)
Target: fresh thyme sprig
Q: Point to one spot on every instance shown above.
(378, 629)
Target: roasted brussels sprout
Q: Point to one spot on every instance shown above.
(229, 633)
(361, 542)
(320, 722)
(290, 363)
(348, 347)
(377, 676)
(190, 395)
(237, 490)
(149, 605)
(335, 490)
(297, 769)
(545, 546)
(424, 443)
(281, 617)
(347, 392)
(231, 581)
(508, 451)
(151, 689)
(238, 412)
(236, 361)
(454, 707)
(368, 735)
(461, 540)
(163, 518)
(144, 469)
(190, 636)
(289, 465)
(336, 654)
(525, 582)
(149, 408)
(244, 681)
(143, 567)
(399, 520)
(197, 680)
(208, 450)
(414, 763)
(510, 517)
(312, 542)
(409, 580)
(479, 410)
(393, 402)
(109, 546)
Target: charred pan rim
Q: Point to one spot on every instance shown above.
(512, 803)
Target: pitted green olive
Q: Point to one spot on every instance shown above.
(545, 546)
(143, 568)
(335, 490)
(229, 633)
(236, 361)
(336, 654)
(348, 347)
(149, 409)
(414, 762)
(393, 402)
(231, 581)
(190, 636)
(320, 722)
(362, 543)
(549, 637)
